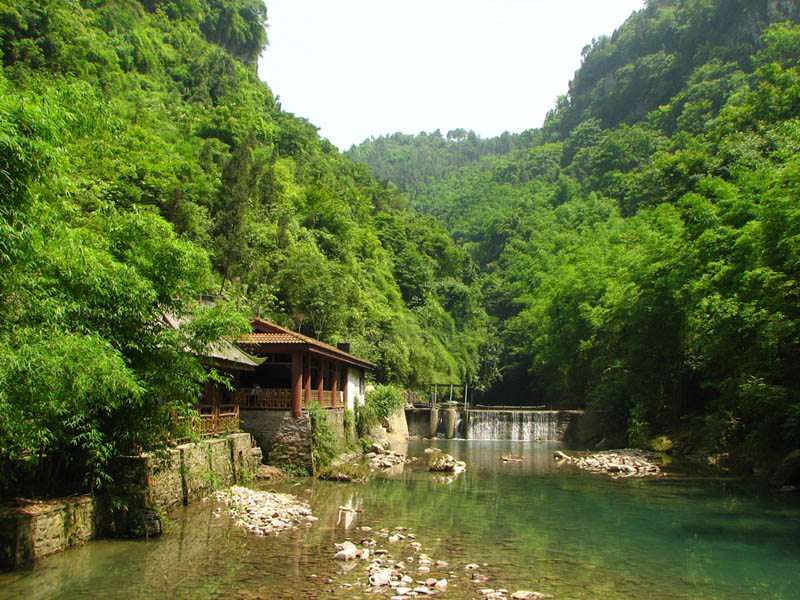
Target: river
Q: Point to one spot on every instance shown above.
(536, 525)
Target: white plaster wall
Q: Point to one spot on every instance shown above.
(353, 395)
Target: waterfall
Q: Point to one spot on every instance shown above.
(514, 425)
(459, 429)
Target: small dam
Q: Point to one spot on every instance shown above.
(507, 424)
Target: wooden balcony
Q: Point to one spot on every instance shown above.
(279, 399)
(263, 399)
(327, 399)
(216, 419)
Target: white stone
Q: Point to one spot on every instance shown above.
(347, 551)
(380, 578)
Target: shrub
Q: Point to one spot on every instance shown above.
(378, 405)
(325, 444)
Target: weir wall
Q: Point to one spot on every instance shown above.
(452, 422)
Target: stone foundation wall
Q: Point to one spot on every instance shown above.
(284, 440)
(291, 447)
(35, 529)
(143, 485)
(195, 469)
(264, 426)
(244, 461)
(163, 479)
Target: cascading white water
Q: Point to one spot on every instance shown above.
(514, 425)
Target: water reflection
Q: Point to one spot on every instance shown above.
(537, 525)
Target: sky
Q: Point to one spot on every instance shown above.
(361, 68)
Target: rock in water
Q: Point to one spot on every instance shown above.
(445, 462)
(526, 595)
(788, 473)
(347, 551)
(379, 578)
(262, 513)
(511, 457)
(629, 462)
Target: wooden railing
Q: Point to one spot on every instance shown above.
(216, 418)
(327, 399)
(281, 399)
(264, 398)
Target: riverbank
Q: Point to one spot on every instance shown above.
(144, 488)
(536, 526)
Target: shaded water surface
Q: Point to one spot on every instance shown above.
(536, 525)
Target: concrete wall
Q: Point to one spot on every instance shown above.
(336, 419)
(418, 422)
(397, 430)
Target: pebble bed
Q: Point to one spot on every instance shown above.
(383, 458)
(629, 462)
(395, 566)
(264, 513)
(393, 562)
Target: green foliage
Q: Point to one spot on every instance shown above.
(379, 403)
(325, 444)
(349, 423)
(90, 367)
(141, 163)
(385, 399)
(642, 256)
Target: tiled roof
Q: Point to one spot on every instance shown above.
(271, 333)
(271, 338)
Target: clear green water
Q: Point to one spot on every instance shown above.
(537, 525)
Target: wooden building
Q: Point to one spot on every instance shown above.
(217, 410)
(296, 370)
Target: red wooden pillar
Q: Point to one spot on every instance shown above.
(297, 384)
(346, 387)
(320, 379)
(307, 381)
(335, 384)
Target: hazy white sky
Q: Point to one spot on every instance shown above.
(357, 68)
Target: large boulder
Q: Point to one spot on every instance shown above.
(788, 473)
(445, 462)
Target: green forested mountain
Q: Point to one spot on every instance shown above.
(640, 251)
(142, 162)
(413, 162)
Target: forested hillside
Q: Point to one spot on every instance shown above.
(413, 162)
(641, 252)
(142, 163)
